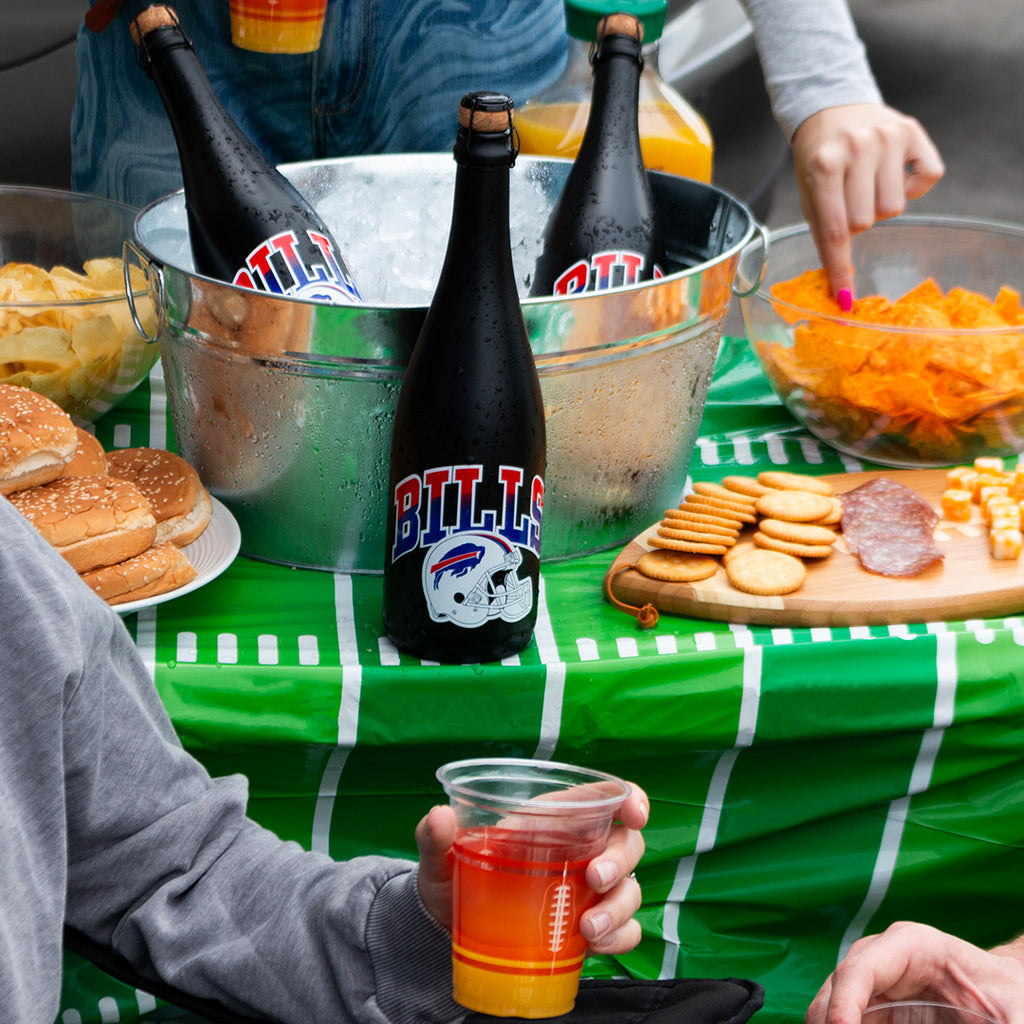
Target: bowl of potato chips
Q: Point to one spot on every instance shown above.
(927, 368)
(66, 329)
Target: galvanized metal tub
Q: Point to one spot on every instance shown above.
(285, 406)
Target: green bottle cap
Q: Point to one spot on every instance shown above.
(582, 16)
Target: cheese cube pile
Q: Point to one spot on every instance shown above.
(998, 493)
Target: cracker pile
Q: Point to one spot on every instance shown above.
(794, 517)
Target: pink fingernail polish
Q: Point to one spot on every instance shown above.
(845, 299)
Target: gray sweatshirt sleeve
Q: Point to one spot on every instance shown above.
(811, 56)
(162, 864)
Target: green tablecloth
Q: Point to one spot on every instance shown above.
(807, 785)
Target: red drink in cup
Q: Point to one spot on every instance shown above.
(526, 831)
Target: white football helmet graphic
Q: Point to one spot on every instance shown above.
(470, 578)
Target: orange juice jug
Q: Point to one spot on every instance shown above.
(673, 136)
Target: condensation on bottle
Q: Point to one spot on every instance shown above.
(248, 225)
(604, 230)
(673, 136)
(468, 448)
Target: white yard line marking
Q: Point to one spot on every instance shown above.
(920, 780)
(713, 805)
(348, 713)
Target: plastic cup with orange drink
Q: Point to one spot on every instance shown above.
(277, 26)
(525, 832)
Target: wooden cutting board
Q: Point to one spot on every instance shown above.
(967, 584)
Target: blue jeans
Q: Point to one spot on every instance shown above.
(387, 78)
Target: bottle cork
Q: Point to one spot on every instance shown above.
(621, 25)
(485, 112)
(153, 17)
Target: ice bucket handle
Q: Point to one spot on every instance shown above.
(155, 286)
(757, 249)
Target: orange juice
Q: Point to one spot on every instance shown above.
(671, 139)
(516, 945)
(277, 26)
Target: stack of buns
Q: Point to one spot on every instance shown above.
(120, 519)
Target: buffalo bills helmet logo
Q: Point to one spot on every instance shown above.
(470, 578)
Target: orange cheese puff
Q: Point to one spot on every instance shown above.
(1005, 545)
(956, 505)
(989, 464)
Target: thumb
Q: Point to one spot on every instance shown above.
(435, 836)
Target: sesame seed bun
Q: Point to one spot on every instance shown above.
(158, 569)
(90, 520)
(180, 503)
(89, 458)
(37, 439)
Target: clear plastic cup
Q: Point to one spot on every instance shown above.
(916, 1011)
(277, 26)
(525, 832)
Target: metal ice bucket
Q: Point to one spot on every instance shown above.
(285, 407)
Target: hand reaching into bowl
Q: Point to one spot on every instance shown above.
(856, 164)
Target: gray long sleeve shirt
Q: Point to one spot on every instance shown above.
(811, 57)
(108, 824)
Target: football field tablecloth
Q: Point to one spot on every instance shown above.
(808, 786)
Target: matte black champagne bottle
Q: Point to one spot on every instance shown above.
(461, 568)
(603, 232)
(247, 223)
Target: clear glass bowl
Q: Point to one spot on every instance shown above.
(67, 334)
(908, 394)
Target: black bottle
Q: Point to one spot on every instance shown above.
(247, 223)
(603, 232)
(466, 495)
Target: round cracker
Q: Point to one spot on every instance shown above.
(738, 549)
(676, 566)
(711, 490)
(701, 537)
(692, 515)
(766, 573)
(835, 516)
(705, 524)
(797, 533)
(734, 509)
(784, 481)
(762, 540)
(687, 545)
(794, 506)
(745, 485)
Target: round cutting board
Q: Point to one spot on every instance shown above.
(967, 583)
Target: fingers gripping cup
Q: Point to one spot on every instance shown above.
(277, 26)
(525, 832)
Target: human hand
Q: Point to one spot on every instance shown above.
(608, 926)
(856, 164)
(915, 961)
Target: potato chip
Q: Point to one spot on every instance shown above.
(906, 379)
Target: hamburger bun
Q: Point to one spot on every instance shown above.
(159, 569)
(180, 502)
(90, 520)
(89, 459)
(37, 439)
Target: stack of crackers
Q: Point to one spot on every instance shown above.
(760, 529)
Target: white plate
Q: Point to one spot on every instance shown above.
(210, 555)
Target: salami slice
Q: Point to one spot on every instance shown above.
(889, 527)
